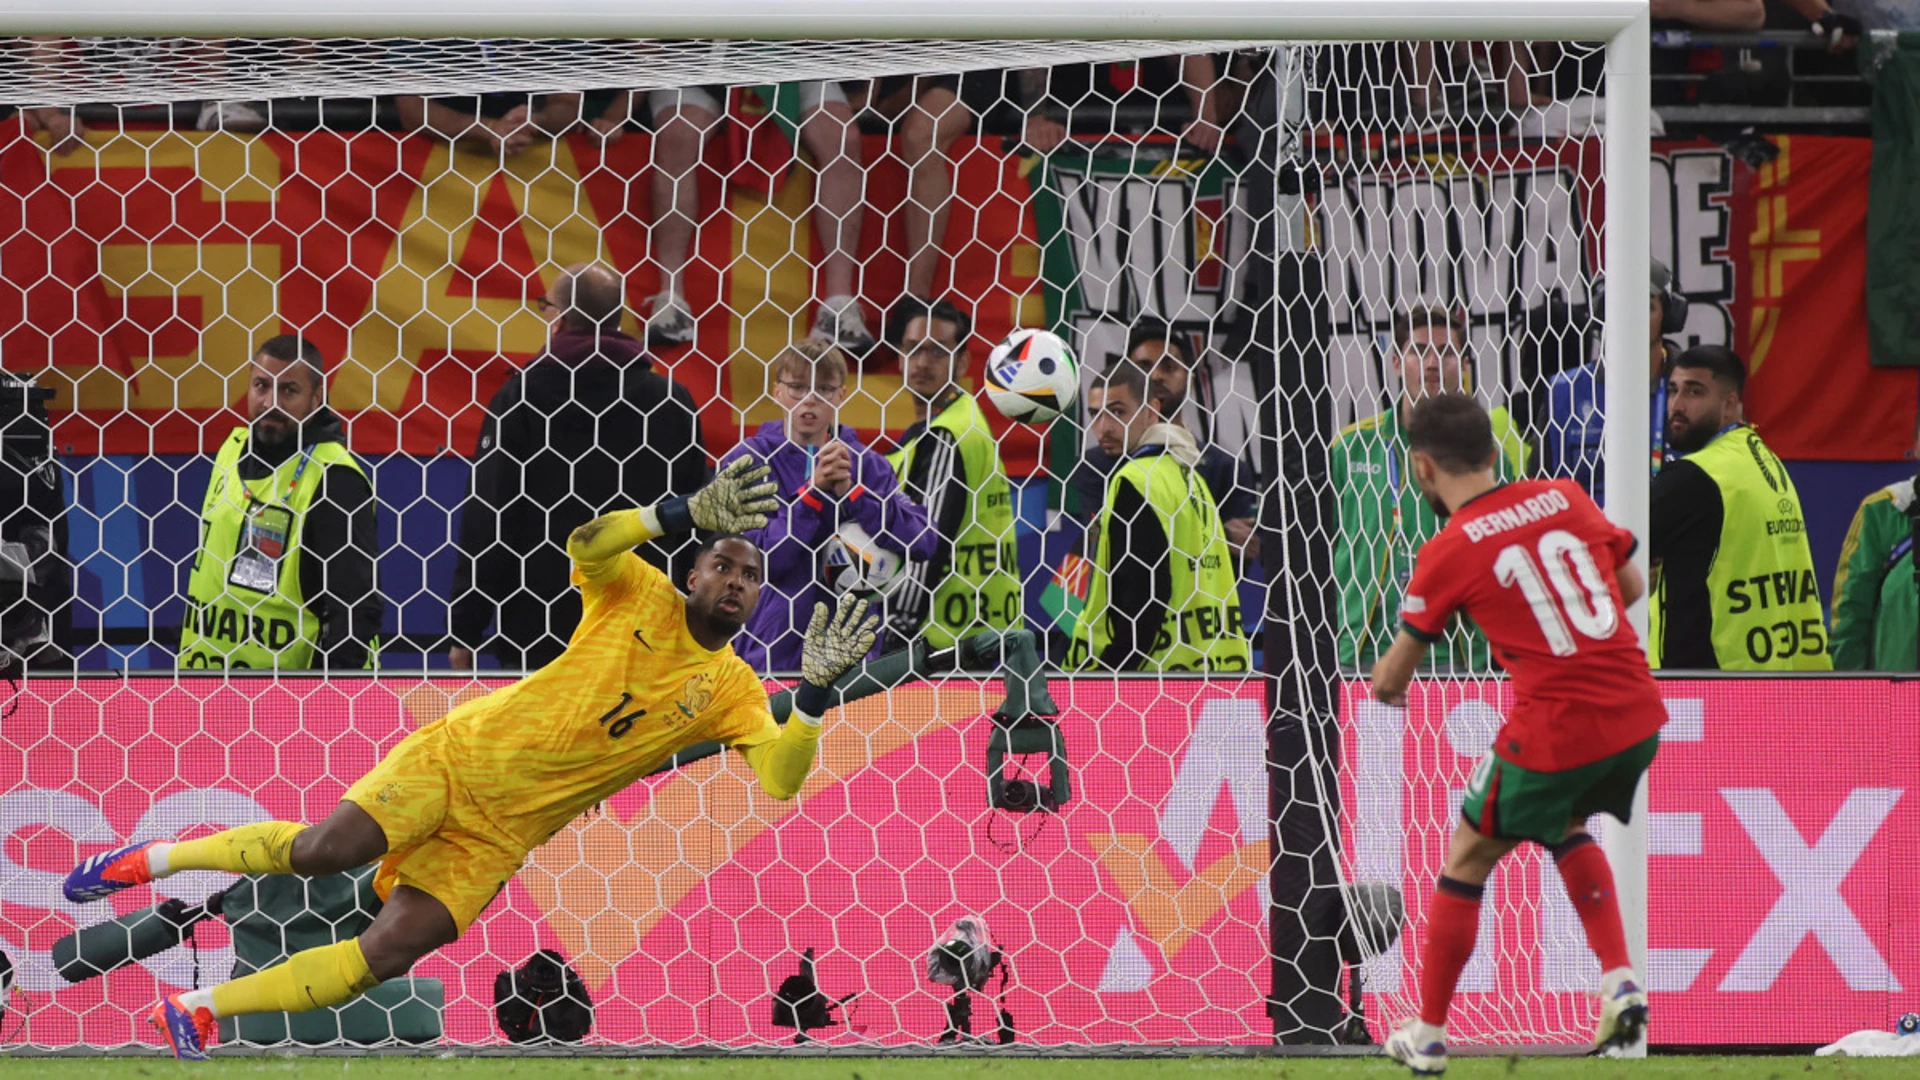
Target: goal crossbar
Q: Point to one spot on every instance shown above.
(1588, 20)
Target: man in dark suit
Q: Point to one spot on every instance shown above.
(586, 428)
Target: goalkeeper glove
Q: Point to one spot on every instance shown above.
(736, 500)
(833, 644)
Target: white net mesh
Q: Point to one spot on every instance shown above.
(1282, 243)
(75, 70)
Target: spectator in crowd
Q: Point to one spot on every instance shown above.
(836, 493)
(237, 117)
(1561, 92)
(1444, 77)
(949, 463)
(938, 110)
(1167, 356)
(1712, 14)
(1572, 429)
(507, 123)
(1733, 580)
(1876, 606)
(1841, 29)
(1383, 518)
(1172, 365)
(685, 119)
(66, 132)
(1162, 595)
(284, 578)
(586, 428)
(239, 62)
(1107, 96)
(1694, 76)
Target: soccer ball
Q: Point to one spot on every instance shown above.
(1032, 376)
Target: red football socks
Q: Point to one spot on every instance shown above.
(1452, 924)
(1583, 866)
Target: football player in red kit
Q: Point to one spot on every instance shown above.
(1547, 578)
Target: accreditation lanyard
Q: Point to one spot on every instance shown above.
(299, 470)
(1900, 550)
(1397, 536)
(1658, 441)
(1394, 539)
(1393, 481)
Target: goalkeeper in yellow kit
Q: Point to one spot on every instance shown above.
(453, 810)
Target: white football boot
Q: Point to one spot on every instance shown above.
(1419, 1047)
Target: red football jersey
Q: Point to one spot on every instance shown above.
(1532, 563)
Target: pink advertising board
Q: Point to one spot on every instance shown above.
(1784, 906)
(1134, 916)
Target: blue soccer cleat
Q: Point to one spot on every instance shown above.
(187, 1031)
(103, 875)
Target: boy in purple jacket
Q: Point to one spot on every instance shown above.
(828, 479)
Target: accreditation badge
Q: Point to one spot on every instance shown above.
(263, 542)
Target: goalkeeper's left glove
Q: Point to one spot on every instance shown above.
(832, 645)
(739, 499)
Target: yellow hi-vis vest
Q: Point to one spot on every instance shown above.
(981, 590)
(244, 606)
(1761, 588)
(1201, 630)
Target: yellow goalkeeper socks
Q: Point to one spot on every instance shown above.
(313, 979)
(263, 848)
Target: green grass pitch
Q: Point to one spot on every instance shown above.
(549, 1068)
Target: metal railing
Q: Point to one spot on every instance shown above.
(1809, 87)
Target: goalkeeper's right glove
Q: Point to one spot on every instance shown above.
(735, 500)
(832, 646)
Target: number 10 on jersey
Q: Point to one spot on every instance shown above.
(1579, 599)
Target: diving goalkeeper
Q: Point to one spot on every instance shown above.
(453, 810)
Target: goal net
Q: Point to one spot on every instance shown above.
(1288, 240)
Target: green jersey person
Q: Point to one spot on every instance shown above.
(1733, 580)
(1383, 520)
(284, 578)
(1876, 609)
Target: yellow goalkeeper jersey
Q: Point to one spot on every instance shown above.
(632, 688)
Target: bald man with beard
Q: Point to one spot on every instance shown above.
(586, 428)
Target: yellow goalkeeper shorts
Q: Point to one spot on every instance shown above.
(438, 840)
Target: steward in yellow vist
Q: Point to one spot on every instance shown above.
(1733, 581)
(453, 810)
(284, 577)
(949, 463)
(1163, 595)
